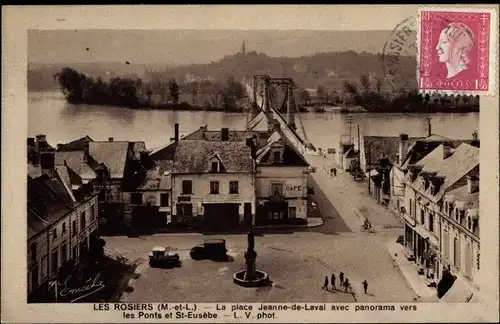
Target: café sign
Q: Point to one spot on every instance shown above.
(291, 188)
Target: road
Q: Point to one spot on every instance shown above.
(296, 260)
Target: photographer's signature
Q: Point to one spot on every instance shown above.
(91, 286)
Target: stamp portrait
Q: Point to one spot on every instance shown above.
(455, 48)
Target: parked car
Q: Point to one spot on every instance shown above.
(161, 257)
(214, 249)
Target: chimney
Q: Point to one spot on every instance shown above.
(41, 142)
(475, 140)
(176, 132)
(225, 134)
(446, 150)
(47, 161)
(250, 142)
(111, 139)
(472, 184)
(403, 147)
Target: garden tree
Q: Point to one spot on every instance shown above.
(71, 84)
(193, 88)
(174, 90)
(305, 96)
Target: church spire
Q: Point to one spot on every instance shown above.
(243, 48)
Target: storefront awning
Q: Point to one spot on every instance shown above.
(458, 293)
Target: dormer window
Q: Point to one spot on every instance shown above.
(276, 156)
(214, 166)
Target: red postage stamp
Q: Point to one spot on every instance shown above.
(457, 51)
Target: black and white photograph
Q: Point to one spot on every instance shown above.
(255, 165)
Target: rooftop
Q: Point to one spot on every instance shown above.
(193, 156)
(156, 179)
(291, 157)
(377, 147)
(112, 154)
(461, 162)
(471, 201)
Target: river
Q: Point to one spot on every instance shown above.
(48, 113)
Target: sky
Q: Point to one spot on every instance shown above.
(190, 46)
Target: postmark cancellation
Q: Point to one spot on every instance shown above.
(457, 51)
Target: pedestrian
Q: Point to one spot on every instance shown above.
(365, 286)
(331, 171)
(346, 284)
(334, 172)
(341, 278)
(325, 286)
(333, 282)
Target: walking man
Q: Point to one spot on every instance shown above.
(325, 286)
(341, 278)
(334, 172)
(333, 282)
(346, 284)
(365, 286)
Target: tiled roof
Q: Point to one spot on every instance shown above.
(462, 194)
(48, 199)
(421, 148)
(35, 224)
(113, 154)
(76, 145)
(157, 180)
(290, 155)
(192, 156)
(75, 160)
(461, 162)
(377, 147)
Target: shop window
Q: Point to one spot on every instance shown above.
(164, 200)
(292, 212)
(185, 210)
(136, 198)
(233, 187)
(187, 187)
(214, 187)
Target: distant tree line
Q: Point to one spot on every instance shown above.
(375, 99)
(161, 92)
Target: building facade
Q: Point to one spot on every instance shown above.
(213, 184)
(62, 223)
(432, 229)
(281, 183)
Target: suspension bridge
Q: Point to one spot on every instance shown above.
(263, 108)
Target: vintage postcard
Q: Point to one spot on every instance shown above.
(456, 50)
(196, 164)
